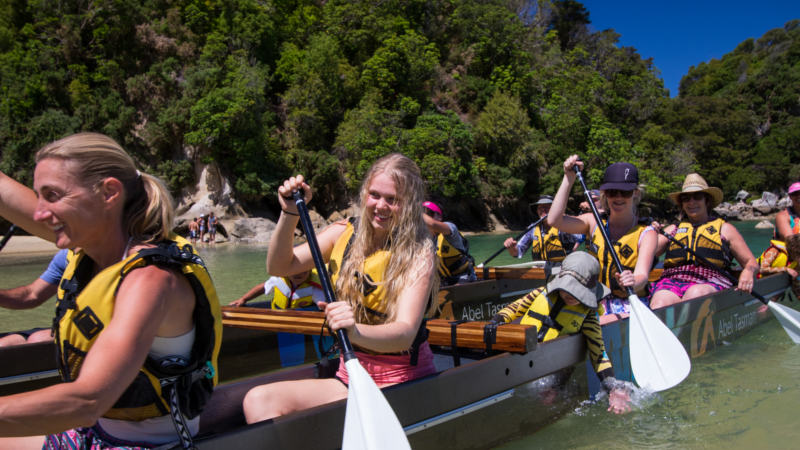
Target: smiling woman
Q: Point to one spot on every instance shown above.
(635, 243)
(383, 267)
(135, 306)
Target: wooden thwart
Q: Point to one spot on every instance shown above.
(509, 337)
(535, 273)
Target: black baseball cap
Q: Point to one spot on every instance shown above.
(620, 176)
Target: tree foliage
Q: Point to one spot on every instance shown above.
(487, 96)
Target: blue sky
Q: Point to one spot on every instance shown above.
(679, 34)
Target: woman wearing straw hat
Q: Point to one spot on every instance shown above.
(685, 276)
(568, 305)
(787, 222)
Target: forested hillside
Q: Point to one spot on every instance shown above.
(487, 96)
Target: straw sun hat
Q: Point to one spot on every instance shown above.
(695, 183)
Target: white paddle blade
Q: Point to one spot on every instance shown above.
(369, 422)
(658, 359)
(789, 318)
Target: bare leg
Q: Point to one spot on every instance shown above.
(663, 297)
(12, 339)
(276, 399)
(40, 336)
(21, 443)
(698, 290)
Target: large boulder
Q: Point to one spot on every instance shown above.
(250, 230)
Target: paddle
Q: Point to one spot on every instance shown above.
(369, 421)
(658, 359)
(519, 236)
(8, 235)
(788, 317)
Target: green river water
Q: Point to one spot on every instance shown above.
(739, 396)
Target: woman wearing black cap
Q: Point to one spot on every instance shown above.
(568, 305)
(634, 243)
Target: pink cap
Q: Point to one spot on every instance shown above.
(435, 208)
(794, 187)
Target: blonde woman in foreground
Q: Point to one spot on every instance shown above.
(383, 267)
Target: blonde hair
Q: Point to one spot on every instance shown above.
(409, 241)
(148, 212)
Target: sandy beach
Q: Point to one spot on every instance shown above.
(22, 249)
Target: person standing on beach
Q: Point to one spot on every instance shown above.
(212, 228)
(194, 230)
(201, 223)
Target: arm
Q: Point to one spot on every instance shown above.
(742, 254)
(27, 297)
(17, 204)
(394, 336)
(661, 241)
(282, 258)
(618, 397)
(150, 301)
(782, 224)
(436, 226)
(582, 224)
(644, 263)
(254, 292)
(517, 308)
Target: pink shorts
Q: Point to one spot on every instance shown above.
(387, 370)
(92, 438)
(679, 287)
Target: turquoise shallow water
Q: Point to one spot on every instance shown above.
(738, 396)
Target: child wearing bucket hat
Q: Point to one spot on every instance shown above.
(787, 222)
(633, 239)
(685, 276)
(568, 305)
(546, 243)
(456, 265)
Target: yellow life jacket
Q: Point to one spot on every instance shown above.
(452, 261)
(548, 247)
(86, 304)
(553, 317)
(373, 301)
(782, 258)
(627, 248)
(284, 297)
(705, 240)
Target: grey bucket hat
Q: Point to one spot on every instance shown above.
(578, 277)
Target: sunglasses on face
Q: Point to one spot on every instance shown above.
(611, 193)
(692, 196)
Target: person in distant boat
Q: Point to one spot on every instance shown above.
(685, 276)
(634, 242)
(194, 230)
(138, 325)
(584, 205)
(568, 305)
(383, 267)
(456, 265)
(212, 228)
(547, 243)
(31, 296)
(299, 291)
(787, 221)
(780, 257)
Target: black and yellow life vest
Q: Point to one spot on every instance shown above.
(86, 304)
(554, 318)
(548, 247)
(705, 240)
(373, 300)
(627, 248)
(284, 297)
(452, 261)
